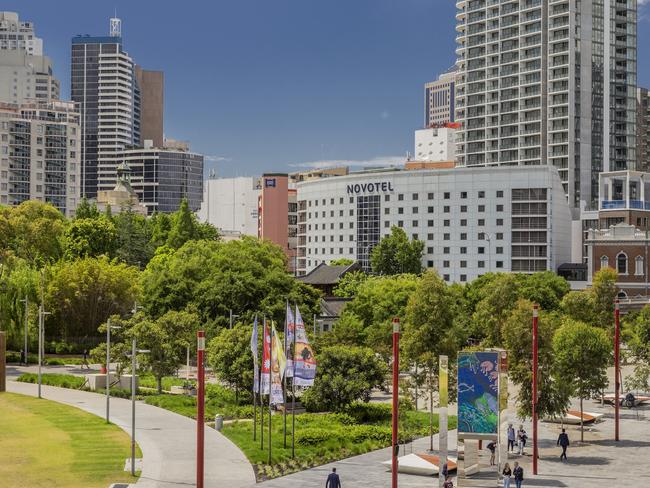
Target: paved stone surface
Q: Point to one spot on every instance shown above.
(167, 441)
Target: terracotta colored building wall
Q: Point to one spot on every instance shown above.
(273, 211)
(152, 94)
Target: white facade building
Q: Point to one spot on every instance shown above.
(230, 204)
(39, 154)
(472, 220)
(435, 144)
(25, 74)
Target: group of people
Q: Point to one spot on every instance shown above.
(516, 472)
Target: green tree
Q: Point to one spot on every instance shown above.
(230, 357)
(86, 210)
(33, 231)
(82, 294)
(582, 353)
(497, 299)
(638, 339)
(90, 237)
(579, 305)
(545, 288)
(604, 291)
(183, 226)
(159, 224)
(17, 282)
(517, 332)
(344, 375)
(133, 238)
(342, 262)
(396, 255)
(349, 284)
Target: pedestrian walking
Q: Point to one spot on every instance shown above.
(448, 482)
(445, 470)
(333, 480)
(84, 361)
(507, 473)
(563, 441)
(492, 447)
(511, 438)
(518, 472)
(522, 437)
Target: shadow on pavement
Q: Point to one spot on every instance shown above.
(621, 443)
(580, 460)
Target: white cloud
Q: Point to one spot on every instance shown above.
(377, 162)
(215, 159)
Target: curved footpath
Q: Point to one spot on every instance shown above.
(167, 441)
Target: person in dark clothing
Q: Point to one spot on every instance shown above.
(492, 447)
(563, 441)
(445, 470)
(333, 480)
(519, 474)
(448, 482)
(84, 361)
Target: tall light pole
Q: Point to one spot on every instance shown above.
(26, 302)
(617, 348)
(108, 366)
(200, 410)
(134, 367)
(394, 465)
(534, 400)
(41, 347)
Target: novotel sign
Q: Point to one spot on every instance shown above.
(382, 186)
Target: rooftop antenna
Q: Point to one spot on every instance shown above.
(116, 26)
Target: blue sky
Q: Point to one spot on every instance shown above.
(276, 85)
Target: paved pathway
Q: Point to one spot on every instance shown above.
(167, 440)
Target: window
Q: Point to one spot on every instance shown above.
(447, 195)
(430, 223)
(445, 264)
(499, 264)
(604, 262)
(621, 263)
(430, 265)
(446, 277)
(351, 212)
(463, 264)
(400, 197)
(481, 264)
(429, 237)
(462, 278)
(446, 237)
(463, 194)
(463, 208)
(415, 196)
(499, 193)
(430, 196)
(463, 250)
(638, 266)
(429, 250)
(430, 209)
(386, 198)
(400, 223)
(481, 250)
(481, 236)
(481, 222)
(481, 208)
(446, 222)
(499, 208)
(386, 211)
(463, 222)
(463, 236)
(499, 221)
(445, 250)
(341, 200)
(415, 210)
(499, 250)
(400, 210)
(446, 209)
(481, 194)
(386, 223)
(499, 236)
(415, 223)
(331, 201)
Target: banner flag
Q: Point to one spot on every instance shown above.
(304, 370)
(266, 359)
(277, 368)
(289, 332)
(256, 373)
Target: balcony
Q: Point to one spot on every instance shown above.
(620, 204)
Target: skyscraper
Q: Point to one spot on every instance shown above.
(643, 130)
(152, 93)
(439, 99)
(25, 74)
(104, 87)
(548, 82)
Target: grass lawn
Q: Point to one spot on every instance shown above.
(47, 444)
(321, 438)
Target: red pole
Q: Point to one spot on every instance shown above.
(200, 410)
(395, 399)
(535, 313)
(617, 385)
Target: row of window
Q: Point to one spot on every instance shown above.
(400, 223)
(482, 236)
(414, 210)
(430, 250)
(622, 264)
(414, 196)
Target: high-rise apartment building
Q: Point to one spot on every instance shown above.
(439, 99)
(548, 82)
(39, 154)
(643, 130)
(25, 74)
(104, 87)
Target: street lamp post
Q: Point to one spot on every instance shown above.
(41, 347)
(134, 366)
(232, 316)
(617, 385)
(26, 302)
(108, 366)
(534, 402)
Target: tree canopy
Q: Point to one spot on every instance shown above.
(395, 254)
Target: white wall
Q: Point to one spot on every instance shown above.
(435, 144)
(230, 204)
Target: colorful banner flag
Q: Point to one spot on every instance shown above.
(256, 373)
(304, 362)
(266, 359)
(289, 331)
(278, 366)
